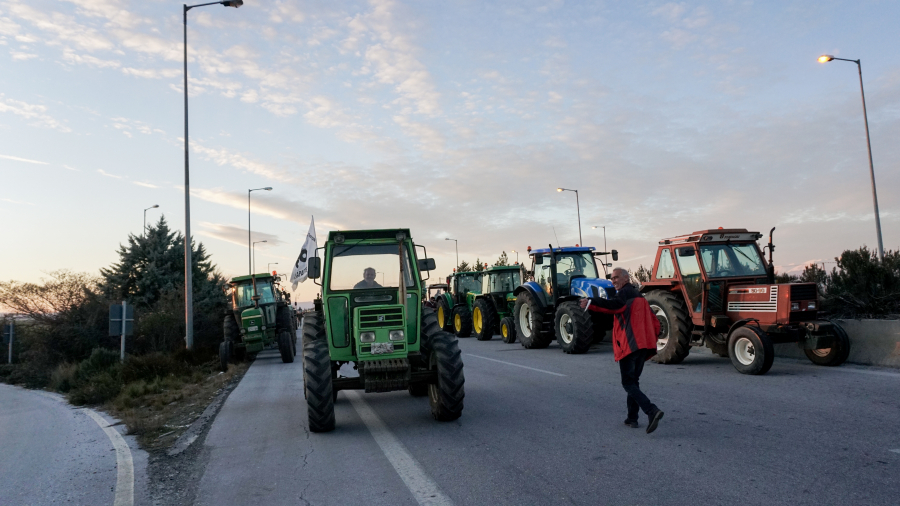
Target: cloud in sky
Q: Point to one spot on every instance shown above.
(26, 160)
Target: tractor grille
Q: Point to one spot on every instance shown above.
(804, 292)
(380, 317)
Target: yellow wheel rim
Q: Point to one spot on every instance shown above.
(504, 330)
(457, 322)
(476, 320)
(441, 316)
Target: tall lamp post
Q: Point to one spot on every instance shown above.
(154, 206)
(188, 274)
(249, 253)
(253, 250)
(578, 206)
(604, 234)
(457, 249)
(827, 58)
(517, 254)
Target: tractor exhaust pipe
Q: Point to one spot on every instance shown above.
(771, 267)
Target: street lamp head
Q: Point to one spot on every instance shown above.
(268, 188)
(559, 189)
(825, 58)
(233, 3)
(154, 206)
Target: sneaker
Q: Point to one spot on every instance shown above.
(631, 423)
(654, 420)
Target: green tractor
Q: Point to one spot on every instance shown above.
(260, 315)
(390, 337)
(494, 307)
(454, 306)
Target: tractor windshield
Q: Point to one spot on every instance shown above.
(506, 281)
(244, 292)
(468, 283)
(356, 267)
(730, 260)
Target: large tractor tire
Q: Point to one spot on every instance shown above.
(285, 346)
(446, 396)
(224, 354)
(508, 330)
(430, 328)
(484, 320)
(751, 350)
(674, 341)
(531, 330)
(835, 355)
(444, 314)
(462, 321)
(574, 329)
(284, 321)
(318, 386)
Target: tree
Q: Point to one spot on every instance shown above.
(479, 266)
(463, 267)
(862, 285)
(786, 277)
(642, 274)
(502, 260)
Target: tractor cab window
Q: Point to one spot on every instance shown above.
(690, 276)
(665, 269)
(504, 281)
(468, 283)
(356, 267)
(728, 260)
(574, 264)
(244, 292)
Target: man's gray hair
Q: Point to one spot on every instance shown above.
(624, 272)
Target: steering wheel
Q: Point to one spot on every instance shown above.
(725, 272)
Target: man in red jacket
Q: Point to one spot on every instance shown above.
(634, 342)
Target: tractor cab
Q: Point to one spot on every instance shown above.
(493, 306)
(454, 306)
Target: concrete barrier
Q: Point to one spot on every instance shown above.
(872, 342)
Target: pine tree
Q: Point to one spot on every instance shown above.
(478, 265)
(502, 260)
(463, 267)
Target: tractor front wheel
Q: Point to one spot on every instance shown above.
(484, 320)
(836, 355)
(444, 315)
(530, 326)
(462, 321)
(285, 347)
(508, 330)
(446, 396)
(751, 350)
(318, 385)
(674, 341)
(574, 329)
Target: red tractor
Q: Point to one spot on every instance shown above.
(714, 288)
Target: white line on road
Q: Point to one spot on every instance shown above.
(124, 464)
(516, 365)
(865, 371)
(895, 451)
(422, 487)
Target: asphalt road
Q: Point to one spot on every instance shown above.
(53, 453)
(542, 427)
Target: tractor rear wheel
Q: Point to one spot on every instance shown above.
(462, 321)
(484, 320)
(446, 396)
(674, 341)
(574, 329)
(530, 326)
(318, 385)
(444, 315)
(224, 354)
(508, 330)
(836, 355)
(284, 346)
(751, 350)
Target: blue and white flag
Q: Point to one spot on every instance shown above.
(301, 266)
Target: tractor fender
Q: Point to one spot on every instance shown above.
(536, 292)
(741, 323)
(592, 287)
(447, 299)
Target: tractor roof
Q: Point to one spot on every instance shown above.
(500, 268)
(248, 278)
(438, 285)
(565, 249)
(714, 235)
(340, 236)
(464, 273)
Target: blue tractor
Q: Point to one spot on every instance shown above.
(547, 303)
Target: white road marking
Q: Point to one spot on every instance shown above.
(124, 463)
(895, 451)
(516, 365)
(866, 371)
(422, 487)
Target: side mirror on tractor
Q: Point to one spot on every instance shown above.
(615, 255)
(426, 264)
(314, 267)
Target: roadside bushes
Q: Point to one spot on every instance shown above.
(862, 286)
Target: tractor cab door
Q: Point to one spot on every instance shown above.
(542, 273)
(691, 280)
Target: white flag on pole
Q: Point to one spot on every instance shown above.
(301, 269)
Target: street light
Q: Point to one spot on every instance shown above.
(578, 205)
(517, 254)
(827, 58)
(604, 234)
(249, 260)
(382, 276)
(269, 266)
(253, 249)
(188, 274)
(154, 206)
(457, 249)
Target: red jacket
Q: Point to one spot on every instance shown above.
(635, 328)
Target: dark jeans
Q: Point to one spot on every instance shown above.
(631, 368)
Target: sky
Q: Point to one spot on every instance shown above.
(453, 119)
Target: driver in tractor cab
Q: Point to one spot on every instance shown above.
(368, 279)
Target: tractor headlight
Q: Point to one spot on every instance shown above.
(367, 337)
(811, 306)
(396, 335)
(264, 327)
(795, 306)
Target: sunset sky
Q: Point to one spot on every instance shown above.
(454, 119)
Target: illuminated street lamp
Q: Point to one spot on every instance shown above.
(578, 206)
(457, 249)
(253, 248)
(249, 258)
(188, 271)
(154, 206)
(827, 58)
(517, 254)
